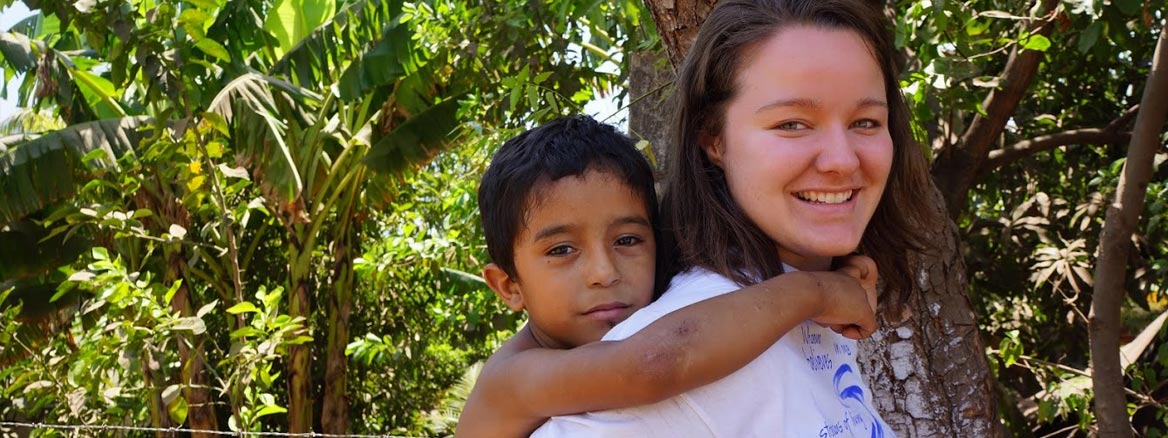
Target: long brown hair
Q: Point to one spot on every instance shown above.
(706, 226)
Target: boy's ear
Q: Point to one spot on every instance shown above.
(504, 286)
(712, 144)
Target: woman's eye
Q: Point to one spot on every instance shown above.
(628, 240)
(791, 126)
(560, 251)
(867, 124)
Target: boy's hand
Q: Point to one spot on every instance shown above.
(849, 298)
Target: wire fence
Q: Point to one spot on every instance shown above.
(102, 429)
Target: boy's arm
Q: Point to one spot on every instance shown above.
(685, 349)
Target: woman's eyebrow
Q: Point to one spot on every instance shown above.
(814, 104)
(871, 102)
(797, 102)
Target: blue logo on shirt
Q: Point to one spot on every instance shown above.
(852, 397)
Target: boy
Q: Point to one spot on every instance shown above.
(570, 216)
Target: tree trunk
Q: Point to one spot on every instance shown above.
(650, 112)
(1115, 245)
(159, 417)
(334, 417)
(196, 390)
(299, 355)
(300, 369)
(928, 368)
(678, 22)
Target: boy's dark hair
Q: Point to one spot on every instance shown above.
(526, 163)
(706, 225)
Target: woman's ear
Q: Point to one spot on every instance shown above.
(505, 286)
(712, 145)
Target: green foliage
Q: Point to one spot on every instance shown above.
(223, 185)
(1031, 231)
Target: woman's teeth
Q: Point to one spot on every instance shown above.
(825, 197)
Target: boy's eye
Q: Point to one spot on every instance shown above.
(560, 250)
(628, 240)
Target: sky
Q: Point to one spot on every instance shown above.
(9, 16)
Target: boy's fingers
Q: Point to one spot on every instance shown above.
(864, 264)
(850, 331)
(852, 271)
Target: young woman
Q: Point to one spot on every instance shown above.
(793, 149)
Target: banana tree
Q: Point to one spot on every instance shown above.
(309, 108)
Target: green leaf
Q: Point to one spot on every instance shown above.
(192, 323)
(385, 62)
(17, 51)
(243, 307)
(195, 22)
(269, 410)
(206, 4)
(213, 48)
(415, 141)
(1035, 42)
(177, 410)
(207, 308)
(975, 27)
(290, 21)
(1090, 37)
(170, 292)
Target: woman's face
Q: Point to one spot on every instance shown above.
(805, 144)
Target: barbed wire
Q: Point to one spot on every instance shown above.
(108, 427)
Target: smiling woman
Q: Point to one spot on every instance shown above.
(805, 146)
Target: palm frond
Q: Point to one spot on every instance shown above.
(329, 49)
(417, 140)
(249, 105)
(38, 170)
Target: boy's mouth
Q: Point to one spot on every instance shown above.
(607, 311)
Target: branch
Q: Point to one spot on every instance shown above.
(1109, 134)
(1123, 119)
(1122, 218)
(956, 166)
(1026, 148)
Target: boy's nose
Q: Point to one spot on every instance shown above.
(602, 270)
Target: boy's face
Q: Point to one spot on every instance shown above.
(585, 259)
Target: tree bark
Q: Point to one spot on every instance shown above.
(334, 416)
(1115, 244)
(928, 368)
(196, 389)
(299, 355)
(650, 112)
(678, 22)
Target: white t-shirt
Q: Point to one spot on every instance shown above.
(805, 385)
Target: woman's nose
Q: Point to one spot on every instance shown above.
(837, 153)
